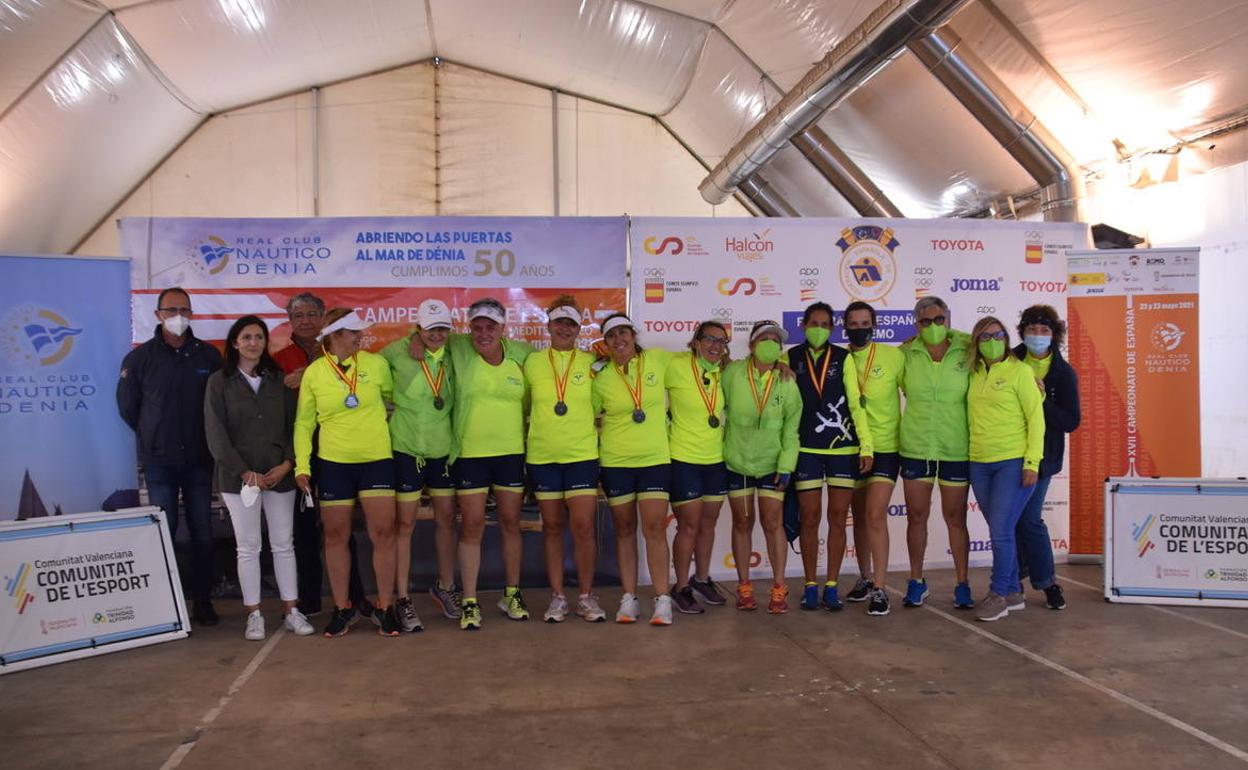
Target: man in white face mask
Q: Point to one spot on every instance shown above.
(160, 395)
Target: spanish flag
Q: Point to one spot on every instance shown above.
(654, 291)
(1034, 253)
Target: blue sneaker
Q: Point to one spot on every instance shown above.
(832, 601)
(916, 592)
(962, 598)
(810, 597)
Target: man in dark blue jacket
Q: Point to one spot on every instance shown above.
(160, 394)
(1043, 333)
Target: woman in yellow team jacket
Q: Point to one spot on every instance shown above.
(1005, 410)
(562, 455)
(344, 393)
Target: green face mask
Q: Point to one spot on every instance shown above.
(992, 349)
(767, 351)
(816, 336)
(934, 334)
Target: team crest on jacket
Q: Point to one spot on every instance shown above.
(868, 267)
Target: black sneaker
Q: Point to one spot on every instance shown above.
(363, 606)
(686, 602)
(1054, 598)
(341, 621)
(387, 620)
(879, 602)
(860, 592)
(203, 613)
(708, 591)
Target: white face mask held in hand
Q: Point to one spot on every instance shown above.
(249, 494)
(176, 325)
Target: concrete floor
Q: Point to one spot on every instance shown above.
(1097, 686)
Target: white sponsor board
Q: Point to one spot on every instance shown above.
(1176, 541)
(739, 271)
(86, 584)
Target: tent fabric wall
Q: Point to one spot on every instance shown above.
(377, 154)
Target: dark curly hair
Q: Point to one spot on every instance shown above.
(1044, 315)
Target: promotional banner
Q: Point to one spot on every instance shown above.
(87, 584)
(1176, 541)
(64, 328)
(743, 270)
(1135, 342)
(384, 265)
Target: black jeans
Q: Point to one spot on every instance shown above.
(194, 481)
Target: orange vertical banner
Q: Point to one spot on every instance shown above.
(1134, 340)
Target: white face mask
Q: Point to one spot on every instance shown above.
(249, 495)
(176, 325)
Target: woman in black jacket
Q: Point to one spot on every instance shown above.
(1043, 333)
(249, 418)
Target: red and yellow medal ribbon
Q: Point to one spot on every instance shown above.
(635, 392)
(865, 372)
(711, 400)
(561, 383)
(760, 404)
(434, 384)
(355, 371)
(823, 374)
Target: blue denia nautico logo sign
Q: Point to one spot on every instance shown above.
(37, 336)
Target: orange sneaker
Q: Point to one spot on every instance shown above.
(745, 597)
(779, 602)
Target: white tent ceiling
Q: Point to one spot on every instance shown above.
(94, 95)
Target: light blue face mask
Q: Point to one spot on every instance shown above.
(1037, 344)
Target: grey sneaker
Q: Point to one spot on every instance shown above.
(861, 591)
(408, 617)
(685, 602)
(630, 609)
(587, 607)
(558, 609)
(1016, 601)
(447, 599)
(708, 591)
(992, 607)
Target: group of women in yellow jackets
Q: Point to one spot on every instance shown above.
(479, 412)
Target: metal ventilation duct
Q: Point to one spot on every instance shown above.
(843, 174)
(765, 197)
(1000, 111)
(859, 55)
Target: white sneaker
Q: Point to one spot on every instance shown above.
(297, 623)
(630, 609)
(557, 611)
(587, 607)
(662, 611)
(255, 627)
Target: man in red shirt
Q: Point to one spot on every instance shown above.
(306, 312)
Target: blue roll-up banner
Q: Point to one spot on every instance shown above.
(64, 328)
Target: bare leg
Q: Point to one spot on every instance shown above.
(507, 506)
(808, 539)
(380, 516)
(771, 511)
(654, 530)
(404, 529)
(838, 512)
(742, 507)
(445, 539)
(553, 520)
(862, 532)
(472, 513)
(581, 511)
(953, 507)
(688, 519)
(877, 496)
(918, 508)
(336, 521)
(624, 516)
(704, 546)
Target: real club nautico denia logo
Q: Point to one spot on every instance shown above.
(215, 254)
(15, 587)
(31, 335)
(868, 266)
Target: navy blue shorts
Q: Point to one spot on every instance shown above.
(691, 481)
(342, 483)
(624, 485)
(814, 470)
(481, 474)
(412, 476)
(740, 485)
(948, 473)
(884, 469)
(555, 481)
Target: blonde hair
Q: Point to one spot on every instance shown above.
(973, 356)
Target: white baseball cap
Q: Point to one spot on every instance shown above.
(564, 311)
(433, 314)
(487, 310)
(351, 321)
(767, 326)
(616, 322)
